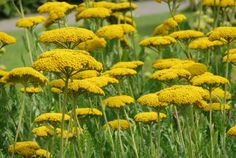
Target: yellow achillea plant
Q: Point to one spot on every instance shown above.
(219, 94)
(6, 39)
(230, 56)
(186, 34)
(102, 81)
(51, 117)
(93, 44)
(3, 73)
(203, 105)
(223, 33)
(30, 22)
(86, 74)
(43, 131)
(182, 94)
(118, 101)
(232, 131)
(56, 90)
(220, 3)
(151, 100)
(170, 74)
(124, 19)
(149, 117)
(43, 153)
(118, 124)
(26, 148)
(25, 76)
(88, 112)
(209, 79)
(97, 13)
(204, 43)
(127, 64)
(120, 72)
(68, 37)
(123, 7)
(69, 133)
(157, 41)
(192, 67)
(31, 90)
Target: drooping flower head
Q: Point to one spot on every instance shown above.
(223, 33)
(118, 101)
(149, 117)
(26, 148)
(87, 112)
(30, 22)
(151, 100)
(232, 131)
(127, 64)
(204, 43)
(6, 39)
(186, 34)
(96, 13)
(118, 124)
(51, 117)
(157, 41)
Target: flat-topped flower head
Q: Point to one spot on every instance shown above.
(30, 22)
(127, 64)
(86, 74)
(186, 34)
(182, 95)
(66, 60)
(69, 133)
(118, 124)
(96, 13)
(51, 117)
(209, 79)
(104, 4)
(102, 81)
(93, 44)
(157, 41)
(151, 100)
(56, 90)
(219, 94)
(6, 39)
(170, 74)
(25, 76)
(43, 153)
(204, 106)
(123, 6)
(31, 90)
(223, 33)
(232, 131)
(26, 148)
(68, 36)
(220, 3)
(118, 101)
(149, 117)
(88, 112)
(204, 43)
(120, 72)
(43, 131)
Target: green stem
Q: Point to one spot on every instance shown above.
(211, 125)
(29, 46)
(119, 135)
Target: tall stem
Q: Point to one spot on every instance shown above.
(211, 125)
(119, 135)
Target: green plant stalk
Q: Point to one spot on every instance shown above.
(29, 46)
(159, 134)
(210, 125)
(119, 135)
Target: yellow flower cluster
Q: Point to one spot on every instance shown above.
(209, 79)
(102, 81)
(31, 90)
(203, 105)
(86, 74)
(221, 3)
(151, 100)
(55, 10)
(218, 94)
(230, 58)
(182, 94)
(51, 117)
(147, 117)
(232, 131)
(99, 13)
(204, 43)
(3, 73)
(170, 74)
(64, 60)
(115, 31)
(93, 44)
(56, 90)
(223, 33)
(67, 35)
(120, 72)
(127, 64)
(157, 41)
(123, 6)
(118, 124)
(118, 101)
(25, 76)
(168, 63)
(26, 148)
(124, 19)
(43, 153)
(186, 34)
(30, 22)
(69, 134)
(88, 111)
(6, 39)
(43, 131)
(169, 24)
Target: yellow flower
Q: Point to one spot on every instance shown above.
(120, 72)
(69, 133)
(51, 117)
(230, 56)
(86, 74)
(66, 60)
(88, 112)
(118, 101)
(102, 81)
(204, 43)
(118, 124)
(3, 73)
(186, 34)
(232, 131)
(56, 90)
(157, 41)
(170, 74)
(99, 13)
(66, 36)
(59, 83)
(93, 44)
(123, 6)
(218, 94)
(203, 105)
(43, 153)
(31, 90)
(43, 131)
(6, 39)
(182, 94)
(160, 30)
(26, 148)
(104, 4)
(226, 33)
(124, 19)
(168, 63)
(208, 79)
(30, 22)
(231, 51)
(151, 100)
(128, 64)
(147, 117)
(221, 3)
(25, 76)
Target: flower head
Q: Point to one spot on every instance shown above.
(151, 100)
(51, 117)
(31, 90)
(123, 7)
(221, 3)
(168, 63)
(148, 117)
(120, 72)
(102, 81)
(43, 131)
(204, 43)
(43, 153)
(186, 34)
(223, 33)
(86, 74)
(219, 94)
(88, 112)
(118, 124)
(69, 133)
(26, 148)
(30, 22)
(56, 90)
(93, 44)
(203, 105)
(232, 131)
(124, 19)
(98, 13)
(6, 39)
(118, 101)
(157, 41)
(127, 64)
